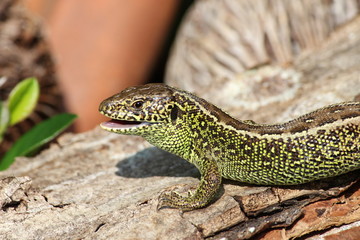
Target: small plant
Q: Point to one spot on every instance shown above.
(20, 104)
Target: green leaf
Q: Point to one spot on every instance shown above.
(23, 99)
(4, 119)
(36, 137)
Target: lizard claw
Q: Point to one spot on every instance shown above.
(173, 199)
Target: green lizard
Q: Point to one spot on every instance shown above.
(320, 144)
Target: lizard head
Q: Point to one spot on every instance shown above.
(139, 109)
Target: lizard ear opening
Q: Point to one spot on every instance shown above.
(174, 113)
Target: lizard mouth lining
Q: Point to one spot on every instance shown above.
(123, 124)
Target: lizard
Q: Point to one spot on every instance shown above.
(320, 144)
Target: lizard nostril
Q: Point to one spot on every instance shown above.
(105, 105)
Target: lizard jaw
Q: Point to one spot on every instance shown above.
(114, 124)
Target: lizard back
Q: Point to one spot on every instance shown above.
(320, 144)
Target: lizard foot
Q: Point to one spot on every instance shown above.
(183, 201)
(205, 191)
(173, 199)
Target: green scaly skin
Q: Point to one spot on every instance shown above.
(321, 144)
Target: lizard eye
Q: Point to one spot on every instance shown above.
(138, 104)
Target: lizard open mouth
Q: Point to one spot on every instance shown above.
(122, 124)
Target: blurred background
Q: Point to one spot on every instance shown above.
(100, 47)
(84, 51)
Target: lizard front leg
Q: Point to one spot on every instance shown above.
(209, 185)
